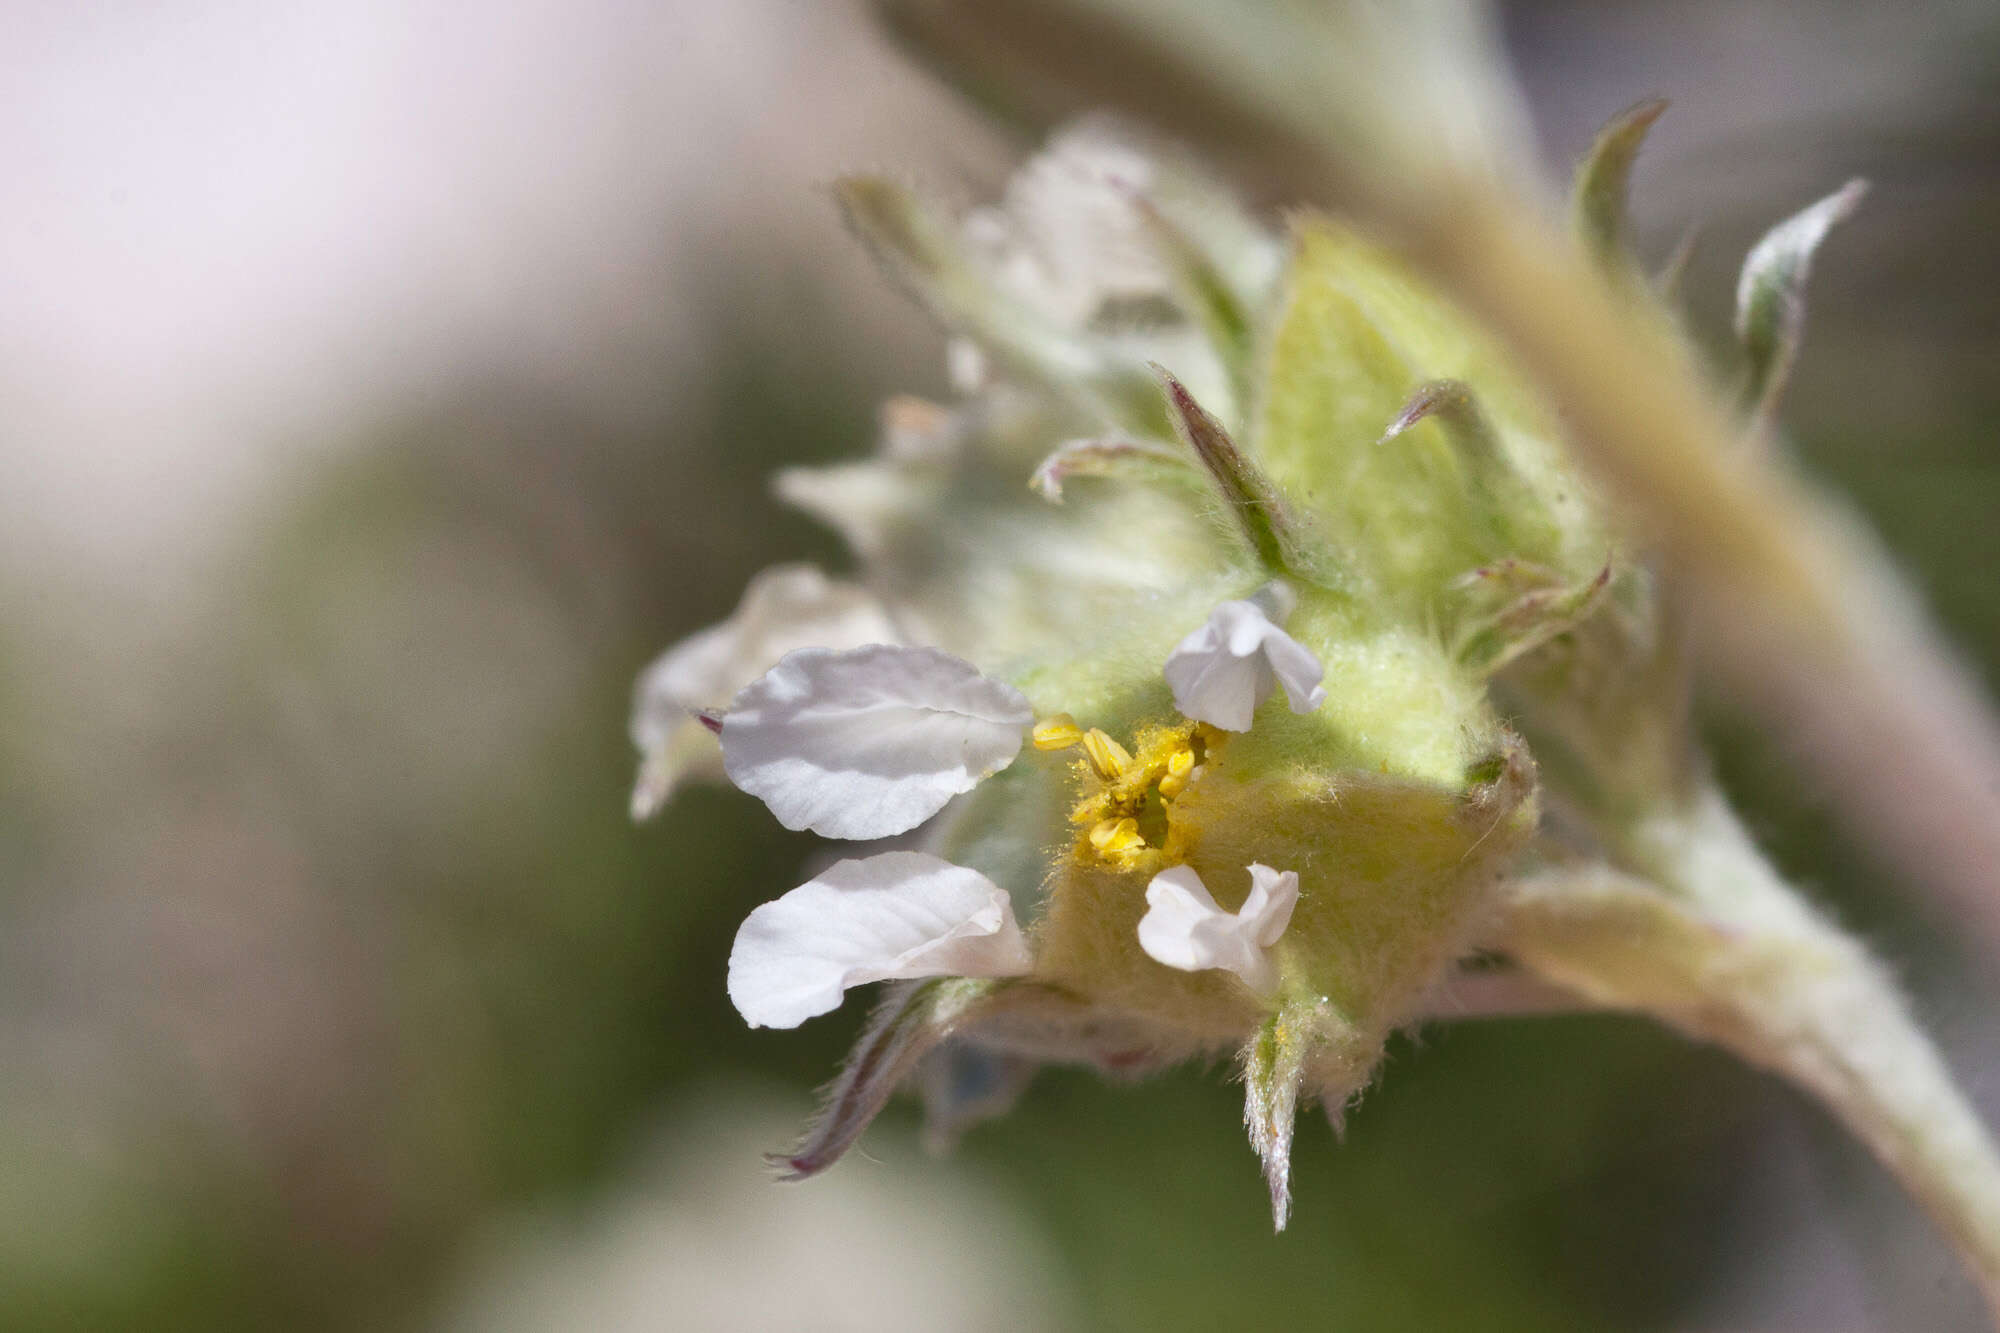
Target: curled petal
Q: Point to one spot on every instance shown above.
(1184, 928)
(870, 742)
(896, 916)
(785, 607)
(1220, 673)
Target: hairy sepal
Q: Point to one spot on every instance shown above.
(1474, 473)
(911, 1019)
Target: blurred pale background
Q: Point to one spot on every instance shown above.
(381, 384)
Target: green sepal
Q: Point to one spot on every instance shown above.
(1512, 608)
(1461, 485)
(1251, 501)
(1598, 199)
(910, 1019)
(1275, 1068)
(1771, 296)
(1112, 456)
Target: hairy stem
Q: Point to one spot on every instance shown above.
(1500, 993)
(1712, 942)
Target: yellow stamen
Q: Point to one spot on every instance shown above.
(1057, 733)
(1116, 835)
(1125, 808)
(1107, 757)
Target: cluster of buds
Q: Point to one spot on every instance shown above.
(1177, 661)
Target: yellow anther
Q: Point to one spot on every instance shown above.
(1116, 835)
(1057, 733)
(1107, 757)
(1175, 780)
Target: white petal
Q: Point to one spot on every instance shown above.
(1178, 904)
(785, 607)
(1220, 673)
(1297, 669)
(1184, 928)
(1077, 235)
(870, 742)
(1268, 909)
(869, 503)
(889, 917)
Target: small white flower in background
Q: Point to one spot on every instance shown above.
(1185, 928)
(870, 742)
(1069, 238)
(1221, 673)
(784, 608)
(896, 916)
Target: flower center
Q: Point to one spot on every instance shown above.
(1125, 806)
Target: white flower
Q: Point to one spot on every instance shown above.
(1184, 928)
(890, 917)
(1069, 238)
(1078, 235)
(1220, 673)
(870, 742)
(785, 607)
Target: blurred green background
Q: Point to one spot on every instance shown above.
(337, 990)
